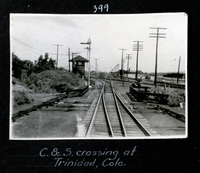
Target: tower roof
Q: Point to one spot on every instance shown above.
(79, 59)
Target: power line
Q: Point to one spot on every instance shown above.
(24, 44)
(28, 47)
(35, 50)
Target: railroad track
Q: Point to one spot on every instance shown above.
(59, 97)
(112, 118)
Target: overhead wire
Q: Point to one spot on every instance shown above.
(30, 48)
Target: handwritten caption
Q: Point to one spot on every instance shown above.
(101, 8)
(88, 158)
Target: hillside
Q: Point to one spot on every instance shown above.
(41, 86)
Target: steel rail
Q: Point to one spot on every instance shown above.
(119, 112)
(101, 96)
(94, 114)
(144, 130)
(106, 113)
(107, 117)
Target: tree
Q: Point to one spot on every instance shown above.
(46, 57)
(39, 62)
(27, 64)
(45, 63)
(16, 66)
(40, 65)
(52, 63)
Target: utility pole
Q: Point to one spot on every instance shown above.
(137, 47)
(69, 57)
(122, 65)
(128, 65)
(178, 69)
(96, 66)
(89, 49)
(122, 61)
(157, 35)
(57, 53)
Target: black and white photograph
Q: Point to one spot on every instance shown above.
(102, 76)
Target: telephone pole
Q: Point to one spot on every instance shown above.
(178, 69)
(122, 64)
(128, 64)
(57, 53)
(69, 57)
(137, 47)
(157, 35)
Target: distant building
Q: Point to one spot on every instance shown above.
(78, 65)
(134, 72)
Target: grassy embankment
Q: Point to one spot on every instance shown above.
(42, 86)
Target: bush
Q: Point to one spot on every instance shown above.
(159, 90)
(176, 97)
(51, 81)
(20, 98)
(32, 86)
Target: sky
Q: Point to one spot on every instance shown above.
(32, 35)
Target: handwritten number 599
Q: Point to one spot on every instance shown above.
(101, 8)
